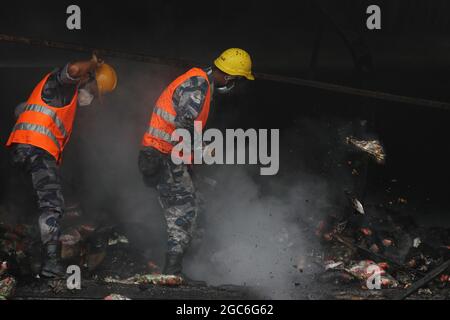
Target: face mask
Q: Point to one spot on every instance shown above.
(85, 97)
(225, 89)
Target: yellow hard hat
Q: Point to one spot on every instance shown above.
(106, 78)
(235, 62)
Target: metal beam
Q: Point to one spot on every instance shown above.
(261, 76)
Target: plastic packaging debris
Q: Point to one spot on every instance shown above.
(331, 265)
(417, 242)
(423, 291)
(362, 272)
(114, 296)
(117, 240)
(358, 206)
(444, 278)
(372, 147)
(7, 287)
(154, 279)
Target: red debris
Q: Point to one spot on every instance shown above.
(445, 278)
(383, 265)
(366, 231)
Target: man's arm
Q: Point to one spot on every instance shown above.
(188, 100)
(60, 87)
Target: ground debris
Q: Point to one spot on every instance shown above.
(115, 296)
(386, 244)
(7, 287)
(363, 271)
(152, 279)
(372, 147)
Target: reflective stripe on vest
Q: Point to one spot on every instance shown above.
(44, 126)
(50, 113)
(165, 115)
(39, 129)
(160, 134)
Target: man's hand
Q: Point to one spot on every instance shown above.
(81, 69)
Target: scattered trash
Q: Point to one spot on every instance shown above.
(362, 271)
(358, 206)
(425, 292)
(115, 296)
(372, 147)
(417, 242)
(418, 286)
(444, 278)
(331, 265)
(7, 287)
(118, 239)
(387, 242)
(158, 280)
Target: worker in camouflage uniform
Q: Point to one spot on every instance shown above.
(43, 128)
(185, 100)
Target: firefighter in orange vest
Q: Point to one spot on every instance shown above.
(43, 128)
(185, 100)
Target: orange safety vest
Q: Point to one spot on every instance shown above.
(162, 121)
(44, 126)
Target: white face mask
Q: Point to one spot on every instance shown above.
(85, 97)
(225, 89)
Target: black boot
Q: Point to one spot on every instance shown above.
(52, 266)
(174, 266)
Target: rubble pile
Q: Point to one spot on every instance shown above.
(153, 279)
(7, 282)
(102, 252)
(357, 247)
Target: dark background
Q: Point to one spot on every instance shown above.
(411, 56)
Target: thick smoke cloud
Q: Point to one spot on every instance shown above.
(256, 239)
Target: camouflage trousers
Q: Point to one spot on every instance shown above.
(39, 166)
(177, 196)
